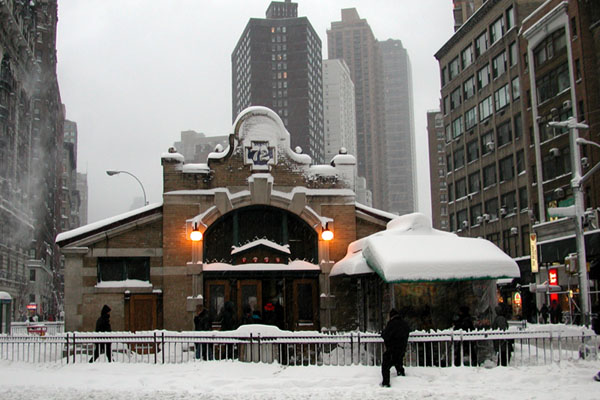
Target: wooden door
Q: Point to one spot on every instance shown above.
(143, 312)
(305, 304)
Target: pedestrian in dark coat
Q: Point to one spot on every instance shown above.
(503, 347)
(202, 323)
(555, 312)
(544, 311)
(228, 317)
(395, 337)
(103, 325)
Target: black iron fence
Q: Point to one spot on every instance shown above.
(439, 349)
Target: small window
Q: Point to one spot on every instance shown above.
(123, 268)
(32, 275)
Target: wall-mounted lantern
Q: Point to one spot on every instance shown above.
(327, 234)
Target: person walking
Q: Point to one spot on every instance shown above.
(544, 311)
(395, 337)
(202, 323)
(503, 347)
(103, 325)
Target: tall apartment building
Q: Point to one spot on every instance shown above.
(485, 143)
(338, 109)
(82, 188)
(398, 124)
(561, 79)
(31, 119)
(437, 170)
(384, 121)
(196, 146)
(352, 40)
(277, 63)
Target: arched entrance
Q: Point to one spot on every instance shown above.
(264, 260)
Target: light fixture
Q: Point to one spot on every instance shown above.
(196, 235)
(326, 234)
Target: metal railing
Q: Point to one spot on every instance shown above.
(439, 349)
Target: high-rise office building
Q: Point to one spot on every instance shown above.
(437, 170)
(31, 135)
(352, 40)
(277, 63)
(384, 121)
(400, 195)
(338, 109)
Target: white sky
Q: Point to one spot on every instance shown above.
(133, 74)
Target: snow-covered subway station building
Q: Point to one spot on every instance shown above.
(252, 227)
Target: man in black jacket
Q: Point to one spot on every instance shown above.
(103, 325)
(395, 337)
(202, 323)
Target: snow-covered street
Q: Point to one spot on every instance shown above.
(236, 380)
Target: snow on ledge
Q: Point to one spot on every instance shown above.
(173, 157)
(123, 284)
(265, 242)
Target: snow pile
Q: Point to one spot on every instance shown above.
(410, 250)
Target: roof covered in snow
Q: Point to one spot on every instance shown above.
(65, 238)
(410, 250)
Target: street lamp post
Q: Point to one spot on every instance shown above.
(578, 210)
(112, 172)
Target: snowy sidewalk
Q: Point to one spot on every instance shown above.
(228, 380)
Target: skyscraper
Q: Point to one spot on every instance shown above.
(277, 63)
(384, 121)
(352, 40)
(339, 108)
(398, 125)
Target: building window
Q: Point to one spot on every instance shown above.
(496, 30)
(446, 105)
(510, 18)
(472, 151)
(461, 188)
(470, 118)
(32, 275)
(474, 182)
(481, 44)
(31, 298)
(457, 127)
(504, 134)
(551, 46)
(553, 83)
(455, 98)
(507, 171)
(469, 88)
(516, 88)
(459, 157)
(467, 56)
(518, 126)
(499, 65)
(557, 164)
(450, 192)
(489, 175)
(444, 76)
(475, 213)
(521, 162)
(491, 208)
(509, 202)
(485, 108)
(123, 268)
(483, 77)
(487, 142)
(453, 67)
(523, 202)
(513, 54)
(461, 219)
(502, 97)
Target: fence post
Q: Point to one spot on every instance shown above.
(259, 349)
(358, 346)
(74, 348)
(251, 348)
(163, 346)
(351, 349)
(155, 348)
(67, 347)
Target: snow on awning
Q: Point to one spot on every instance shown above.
(410, 250)
(265, 242)
(296, 265)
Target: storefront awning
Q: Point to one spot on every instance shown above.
(410, 250)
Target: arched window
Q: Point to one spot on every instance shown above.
(251, 223)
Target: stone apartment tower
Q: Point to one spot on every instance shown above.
(277, 64)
